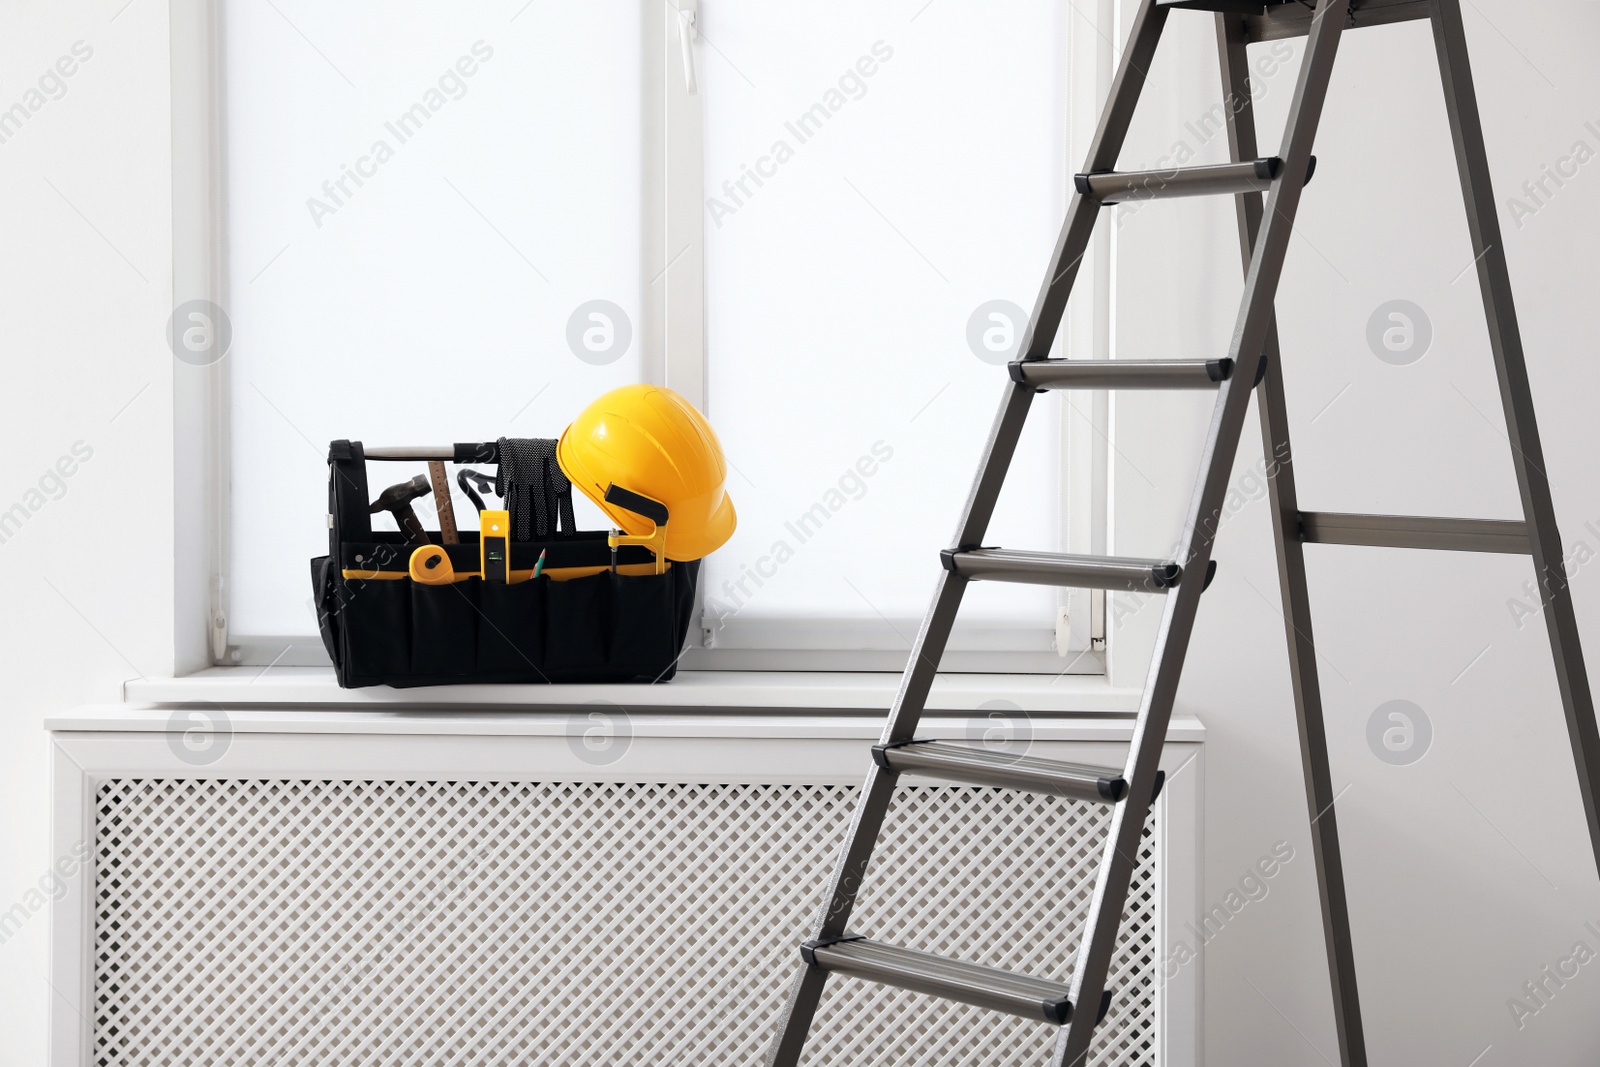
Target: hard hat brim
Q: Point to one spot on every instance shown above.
(715, 534)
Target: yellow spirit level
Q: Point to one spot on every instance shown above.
(494, 545)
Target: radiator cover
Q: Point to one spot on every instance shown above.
(270, 921)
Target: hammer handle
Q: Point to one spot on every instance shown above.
(415, 532)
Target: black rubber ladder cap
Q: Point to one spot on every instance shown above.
(939, 976)
(968, 765)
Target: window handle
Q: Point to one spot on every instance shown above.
(687, 17)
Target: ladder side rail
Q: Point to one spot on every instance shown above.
(1255, 316)
(1527, 453)
(878, 790)
(1292, 582)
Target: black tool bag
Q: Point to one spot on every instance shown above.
(592, 615)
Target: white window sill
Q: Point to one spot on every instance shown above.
(123, 719)
(697, 704)
(752, 691)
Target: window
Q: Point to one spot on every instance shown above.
(447, 223)
(422, 197)
(878, 191)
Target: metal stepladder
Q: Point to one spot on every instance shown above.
(1252, 367)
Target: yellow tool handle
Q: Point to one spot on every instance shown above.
(656, 542)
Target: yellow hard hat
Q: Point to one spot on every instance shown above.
(652, 463)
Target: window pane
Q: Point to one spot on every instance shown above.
(874, 186)
(420, 197)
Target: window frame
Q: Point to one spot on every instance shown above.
(673, 349)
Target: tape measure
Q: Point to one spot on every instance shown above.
(430, 565)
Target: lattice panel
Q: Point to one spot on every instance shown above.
(244, 922)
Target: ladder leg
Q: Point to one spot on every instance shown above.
(1155, 711)
(1292, 582)
(1505, 338)
(873, 805)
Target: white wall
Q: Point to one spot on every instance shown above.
(1469, 868)
(85, 273)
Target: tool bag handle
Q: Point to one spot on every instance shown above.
(348, 496)
(536, 506)
(470, 452)
(348, 517)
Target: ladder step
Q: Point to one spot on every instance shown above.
(1272, 20)
(1216, 179)
(1121, 373)
(980, 766)
(1409, 531)
(939, 976)
(1076, 572)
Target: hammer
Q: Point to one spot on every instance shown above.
(397, 500)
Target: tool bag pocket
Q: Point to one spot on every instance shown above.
(377, 622)
(580, 613)
(641, 627)
(444, 622)
(590, 615)
(511, 628)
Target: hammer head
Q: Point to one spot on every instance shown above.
(400, 496)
